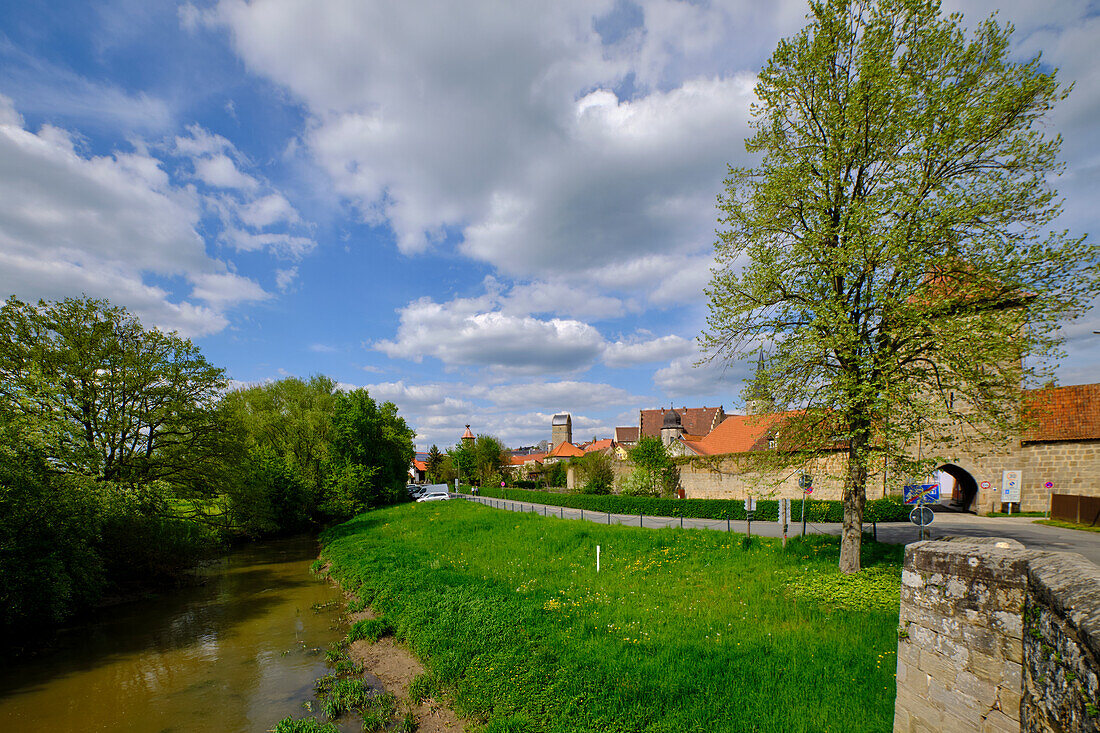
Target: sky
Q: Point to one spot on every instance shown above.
(485, 212)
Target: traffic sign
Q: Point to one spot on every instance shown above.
(921, 493)
(985, 485)
(922, 516)
(1010, 486)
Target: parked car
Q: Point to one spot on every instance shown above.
(435, 496)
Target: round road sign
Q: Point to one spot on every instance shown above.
(984, 484)
(922, 515)
(1049, 484)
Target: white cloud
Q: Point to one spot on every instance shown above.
(284, 278)
(100, 225)
(422, 399)
(626, 354)
(683, 378)
(564, 395)
(219, 171)
(268, 210)
(540, 167)
(225, 289)
(461, 333)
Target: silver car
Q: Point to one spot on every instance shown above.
(434, 496)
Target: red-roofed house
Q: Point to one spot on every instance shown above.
(694, 420)
(564, 450)
(418, 471)
(626, 435)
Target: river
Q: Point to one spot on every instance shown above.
(237, 653)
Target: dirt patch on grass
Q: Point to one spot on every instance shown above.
(396, 668)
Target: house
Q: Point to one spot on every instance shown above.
(694, 420)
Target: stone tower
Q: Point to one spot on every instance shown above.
(561, 430)
(672, 427)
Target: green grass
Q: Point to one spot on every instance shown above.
(1068, 525)
(682, 630)
(1015, 514)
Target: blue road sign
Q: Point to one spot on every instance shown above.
(921, 493)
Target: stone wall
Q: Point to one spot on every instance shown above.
(993, 637)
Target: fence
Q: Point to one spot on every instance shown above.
(1077, 509)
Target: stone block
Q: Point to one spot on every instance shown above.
(1012, 677)
(960, 724)
(1009, 700)
(984, 691)
(939, 667)
(998, 722)
(987, 667)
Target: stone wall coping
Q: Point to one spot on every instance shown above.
(1004, 559)
(1070, 585)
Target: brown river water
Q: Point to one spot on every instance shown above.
(238, 653)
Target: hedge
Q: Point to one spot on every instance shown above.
(889, 509)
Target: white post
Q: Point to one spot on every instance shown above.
(597, 558)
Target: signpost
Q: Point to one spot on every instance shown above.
(921, 494)
(784, 517)
(1010, 488)
(806, 483)
(750, 510)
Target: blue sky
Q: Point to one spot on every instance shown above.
(485, 212)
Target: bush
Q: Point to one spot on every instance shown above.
(878, 510)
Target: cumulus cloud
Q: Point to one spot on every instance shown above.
(633, 353)
(543, 169)
(564, 395)
(248, 207)
(100, 225)
(461, 333)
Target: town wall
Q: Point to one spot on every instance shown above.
(993, 637)
(1071, 467)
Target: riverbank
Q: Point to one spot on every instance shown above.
(680, 630)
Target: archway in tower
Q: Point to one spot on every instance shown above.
(963, 487)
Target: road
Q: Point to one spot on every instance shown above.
(1024, 530)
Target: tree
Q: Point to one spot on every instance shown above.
(594, 473)
(491, 457)
(654, 474)
(372, 448)
(109, 399)
(434, 464)
(287, 429)
(892, 250)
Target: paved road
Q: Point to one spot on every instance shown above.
(1034, 536)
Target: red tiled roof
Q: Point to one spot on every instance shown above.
(420, 465)
(626, 435)
(695, 420)
(738, 434)
(520, 460)
(598, 445)
(566, 450)
(1063, 413)
(467, 434)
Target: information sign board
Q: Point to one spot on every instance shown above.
(750, 503)
(921, 493)
(1010, 486)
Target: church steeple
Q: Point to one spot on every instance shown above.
(757, 400)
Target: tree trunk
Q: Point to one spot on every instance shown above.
(855, 496)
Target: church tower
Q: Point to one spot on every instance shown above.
(561, 430)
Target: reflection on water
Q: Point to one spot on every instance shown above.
(235, 654)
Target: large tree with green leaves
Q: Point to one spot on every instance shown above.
(893, 249)
(107, 398)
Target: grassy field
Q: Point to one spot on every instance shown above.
(681, 630)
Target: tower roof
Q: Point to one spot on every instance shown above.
(671, 420)
(467, 434)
